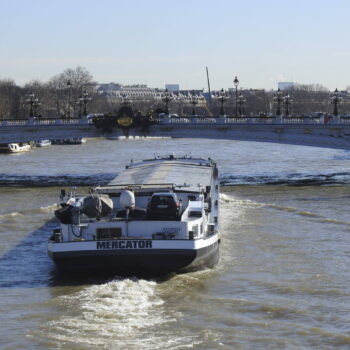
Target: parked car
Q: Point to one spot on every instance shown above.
(164, 206)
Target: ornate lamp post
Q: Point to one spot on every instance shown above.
(166, 98)
(69, 87)
(84, 99)
(241, 101)
(236, 83)
(80, 104)
(194, 101)
(277, 98)
(124, 99)
(336, 98)
(222, 97)
(33, 103)
(287, 102)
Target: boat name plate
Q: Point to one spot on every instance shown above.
(124, 244)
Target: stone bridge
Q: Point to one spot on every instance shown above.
(333, 133)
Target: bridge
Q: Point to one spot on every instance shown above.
(308, 131)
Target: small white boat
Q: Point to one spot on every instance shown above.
(43, 143)
(15, 148)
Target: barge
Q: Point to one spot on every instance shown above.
(158, 216)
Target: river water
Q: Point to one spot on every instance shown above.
(283, 279)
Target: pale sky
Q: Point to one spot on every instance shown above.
(157, 42)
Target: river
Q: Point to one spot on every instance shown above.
(283, 279)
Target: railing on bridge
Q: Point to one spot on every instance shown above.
(43, 122)
(253, 120)
(190, 120)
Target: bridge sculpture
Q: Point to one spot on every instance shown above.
(311, 131)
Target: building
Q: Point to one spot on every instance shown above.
(172, 87)
(140, 92)
(136, 91)
(285, 85)
(107, 88)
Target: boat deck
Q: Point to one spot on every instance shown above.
(186, 174)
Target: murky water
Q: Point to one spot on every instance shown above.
(283, 280)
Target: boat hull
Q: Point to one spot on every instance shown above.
(150, 262)
(18, 149)
(43, 143)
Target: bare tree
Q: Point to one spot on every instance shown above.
(10, 97)
(310, 98)
(67, 87)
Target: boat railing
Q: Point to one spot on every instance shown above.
(112, 188)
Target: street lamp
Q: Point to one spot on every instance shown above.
(194, 101)
(236, 83)
(222, 97)
(277, 98)
(33, 103)
(125, 100)
(83, 100)
(241, 101)
(166, 98)
(287, 102)
(336, 98)
(69, 87)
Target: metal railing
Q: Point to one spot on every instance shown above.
(256, 120)
(222, 120)
(43, 122)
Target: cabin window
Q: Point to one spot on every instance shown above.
(195, 214)
(108, 233)
(162, 200)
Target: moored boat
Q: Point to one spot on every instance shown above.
(76, 141)
(4, 148)
(158, 216)
(15, 147)
(71, 141)
(43, 143)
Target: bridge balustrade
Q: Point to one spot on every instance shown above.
(345, 120)
(240, 120)
(41, 122)
(204, 120)
(12, 122)
(191, 120)
(44, 122)
(178, 120)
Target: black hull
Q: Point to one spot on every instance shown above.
(140, 262)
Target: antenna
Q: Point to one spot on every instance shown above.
(208, 85)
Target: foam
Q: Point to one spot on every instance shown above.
(120, 311)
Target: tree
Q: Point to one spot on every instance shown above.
(10, 99)
(67, 88)
(309, 98)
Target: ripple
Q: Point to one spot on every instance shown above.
(17, 180)
(293, 179)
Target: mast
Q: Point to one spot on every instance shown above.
(208, 85)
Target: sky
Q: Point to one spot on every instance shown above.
(162, 42)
